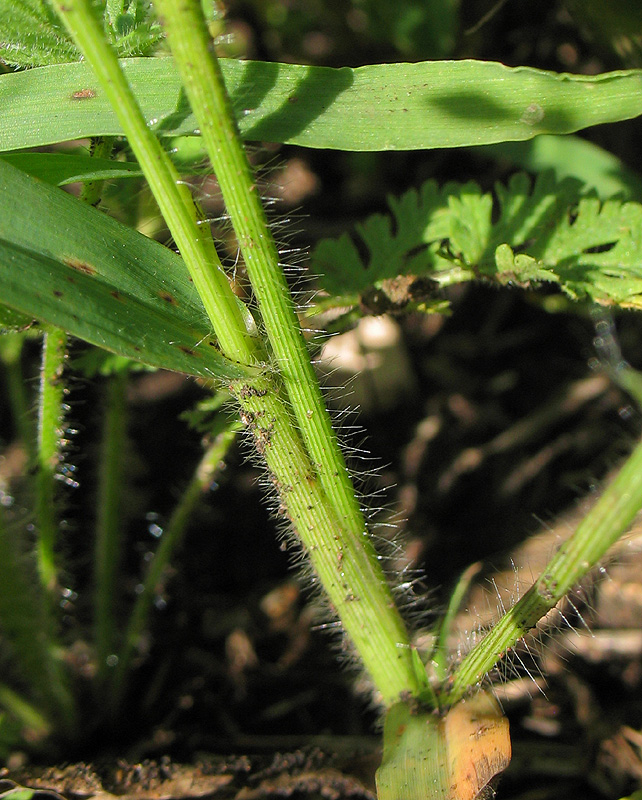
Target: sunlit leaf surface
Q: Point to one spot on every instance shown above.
(377, 107)
(65, 263)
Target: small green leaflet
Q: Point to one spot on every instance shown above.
(17, 794)
(65, 263)
(570, 156)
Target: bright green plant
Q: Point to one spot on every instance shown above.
(98, 280)
(446, 236)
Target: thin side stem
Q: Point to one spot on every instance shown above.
(108, 530)
(28, 625)
(100, 147)
(11, 345)
(50, 435)
(108, 537)
(609, 518)
(440, 653)
(170, 541)
(195, 243)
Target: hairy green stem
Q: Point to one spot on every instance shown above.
(203, 81)
(351, 577)
(609, 518)
(108, 531)
(316, 497)
(170, 541)
(352, 572)
(50, 420)
(195, 243)
(100, 147)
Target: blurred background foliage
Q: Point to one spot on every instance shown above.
(479, 423)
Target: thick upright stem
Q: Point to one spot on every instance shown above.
(308, 473)
(354, 559)
(203, 81)
(351, 577)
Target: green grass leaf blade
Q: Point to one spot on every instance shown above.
(570, 157)
(377, 107)
(71, 266)
(59, 169)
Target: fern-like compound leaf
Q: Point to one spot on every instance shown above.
(33, 36)
(525, 232)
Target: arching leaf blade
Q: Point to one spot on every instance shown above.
(574, 157)
(65, 263)
(59, 169)
(377, 107)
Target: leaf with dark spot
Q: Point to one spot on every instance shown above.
(75, 263)
(118, 282)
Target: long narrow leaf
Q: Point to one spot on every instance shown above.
(60, 169)
(571, 157)
(65, 263)
(377, 107)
